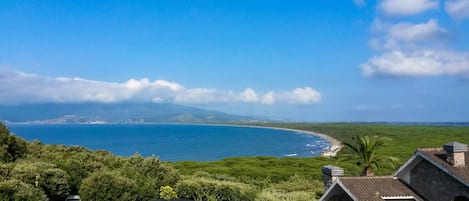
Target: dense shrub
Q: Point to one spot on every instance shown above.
(77, 161)
(11, 147)
(296, 188)
(53, 181)
(30, 171)
(5, 171)
(108, 186)
(19, 191)
(272, 195)
(199, 188)
(152, 167)
(167, 193)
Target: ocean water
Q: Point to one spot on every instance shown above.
(175, 142)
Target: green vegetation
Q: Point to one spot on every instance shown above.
(203, 188)
(34, 171)
(365, 149)
(268, 173)
(11, 147)
(167, 193)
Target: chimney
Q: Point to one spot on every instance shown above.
(330, 174)
(455, 153)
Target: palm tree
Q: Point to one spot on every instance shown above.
(366, 147)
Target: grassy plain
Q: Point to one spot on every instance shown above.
(271, 172)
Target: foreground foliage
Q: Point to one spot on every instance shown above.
(167, 193)
(203, 188)
(52, 172)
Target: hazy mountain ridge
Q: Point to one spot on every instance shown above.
(115, 113)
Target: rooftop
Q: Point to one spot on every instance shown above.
(438, 156)
(380, 187)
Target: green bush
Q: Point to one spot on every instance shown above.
(198, 188)
(108, 186)
(167, 193)
(296, 188)
(53, 181)
(5, 171)
(151, 167)
(19, 191)
(11, 146)
(190, 189)
(272, 195)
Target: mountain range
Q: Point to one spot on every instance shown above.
(115, 113)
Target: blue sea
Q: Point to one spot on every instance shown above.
(177, 142)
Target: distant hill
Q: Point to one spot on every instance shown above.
(115, 113)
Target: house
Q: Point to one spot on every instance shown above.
(431, 174)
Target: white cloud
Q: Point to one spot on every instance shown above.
(415, 49)
(406, 35)
(409, 32)
(268, 98)
(137, 85)
(157, 100)
(301, 96)
(458, 9)
(19, 87)
(249, 96)
(305, 95)
(407, 7)
(417, 63)
(163, 84)
(204, 96)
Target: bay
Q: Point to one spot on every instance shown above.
(177, 142)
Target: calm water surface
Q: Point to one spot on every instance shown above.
(178, 142)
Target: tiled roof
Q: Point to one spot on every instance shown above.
(374, 188)
(438, 155)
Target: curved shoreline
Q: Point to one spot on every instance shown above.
(332, 141)
(335, 147)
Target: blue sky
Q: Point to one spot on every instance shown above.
(353, 60)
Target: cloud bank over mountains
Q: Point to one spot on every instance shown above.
(407, 48)
(20, 87)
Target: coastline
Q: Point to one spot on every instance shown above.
(335, 147)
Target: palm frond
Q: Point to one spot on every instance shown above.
(365, 148)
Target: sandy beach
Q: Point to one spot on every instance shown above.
(335, 147)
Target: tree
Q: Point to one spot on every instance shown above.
(53, 181)
(107, 185)
(11, 147)
(152, 167)
(16, 190)
(366, 148)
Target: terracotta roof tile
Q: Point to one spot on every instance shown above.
(438, 155)
(373, 188)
